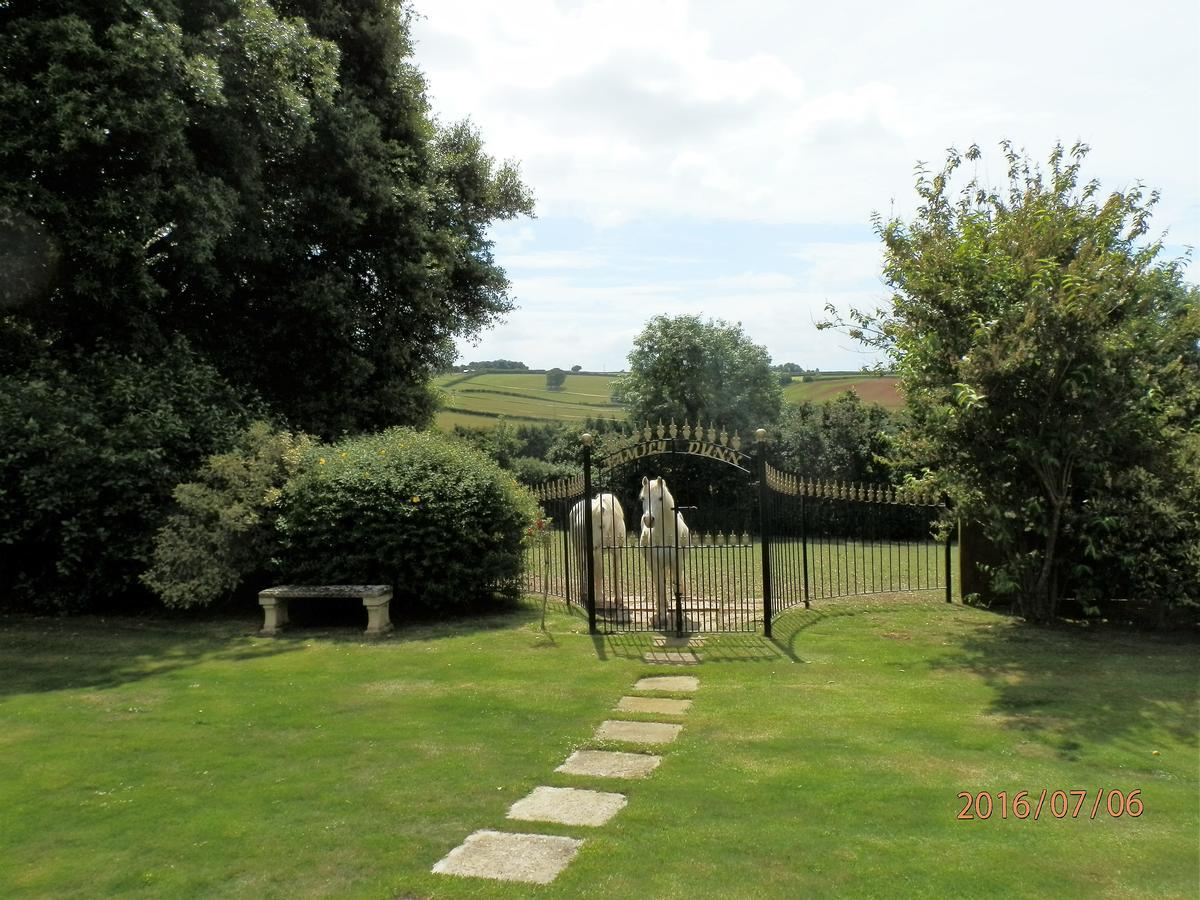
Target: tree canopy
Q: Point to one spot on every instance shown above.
(212, 211)
(691, 370)
(1050, 362)
(264, 179)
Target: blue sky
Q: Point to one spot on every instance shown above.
(725, 159)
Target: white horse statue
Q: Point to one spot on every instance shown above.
(608, 530)
(662, 533)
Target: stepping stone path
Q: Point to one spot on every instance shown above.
(680, 684)
(638, 732)
(539, 858)
(684, 657)
(653, 705)
(610, 764)
(536, 858)
(568, 806)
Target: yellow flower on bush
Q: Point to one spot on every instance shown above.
(416, 499)
(321, 461)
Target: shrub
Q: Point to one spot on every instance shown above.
(223, 532)
(92, 446)
(437, 520)
(555, 378)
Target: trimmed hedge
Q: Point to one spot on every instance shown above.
(439, 521)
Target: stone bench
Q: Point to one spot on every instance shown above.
(375, 597)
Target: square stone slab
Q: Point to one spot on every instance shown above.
(535, 858)
(682, 683)
(678, 642)
(567, 806)
(653, 705)
(671, 657)
(638, 732)
(610, 764)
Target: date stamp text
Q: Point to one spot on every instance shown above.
(1057, 804)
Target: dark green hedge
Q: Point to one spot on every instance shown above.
(439, 521)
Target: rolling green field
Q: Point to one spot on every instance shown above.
(196, 759)
(477, 401)
(871, 389)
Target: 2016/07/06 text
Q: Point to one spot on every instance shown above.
(1063, 804)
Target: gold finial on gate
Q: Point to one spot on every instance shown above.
(660, 429)
(646, 433)
(672, 430)
(585, 439)
(760, 435)
(724, 438)
(737, 441)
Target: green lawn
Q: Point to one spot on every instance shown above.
(163, 759)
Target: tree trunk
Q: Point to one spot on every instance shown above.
(1045, 589)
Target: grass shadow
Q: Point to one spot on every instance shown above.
(51, 654)
(40, 654)
(1071, 686)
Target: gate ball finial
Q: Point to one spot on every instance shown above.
(760, 434)
(586, 439)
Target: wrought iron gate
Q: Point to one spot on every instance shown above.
(689, 532)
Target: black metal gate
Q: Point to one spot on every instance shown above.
(689, 533)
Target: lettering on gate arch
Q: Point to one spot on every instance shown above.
(712, 451)
(666, 445)
(629, 454)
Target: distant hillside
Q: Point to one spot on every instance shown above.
(478, 400)
(871, 388)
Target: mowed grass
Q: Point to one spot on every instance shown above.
(165, 760)
(480, 399)
(871, 388)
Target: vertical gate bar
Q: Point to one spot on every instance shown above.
(590, 562)
(764, 516)
(949, 536)
(565, 518)
(804, 550)
(677, 574)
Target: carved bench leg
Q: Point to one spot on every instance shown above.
(275, 614)
(378, 619)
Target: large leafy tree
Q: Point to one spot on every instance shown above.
(263, 178)
(692, 370)
(201, 203)
(1050, 362)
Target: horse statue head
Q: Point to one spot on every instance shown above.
(657, 503)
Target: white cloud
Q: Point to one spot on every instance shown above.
(777, 111)
(632, 119)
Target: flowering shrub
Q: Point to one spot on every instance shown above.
(440, 522)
